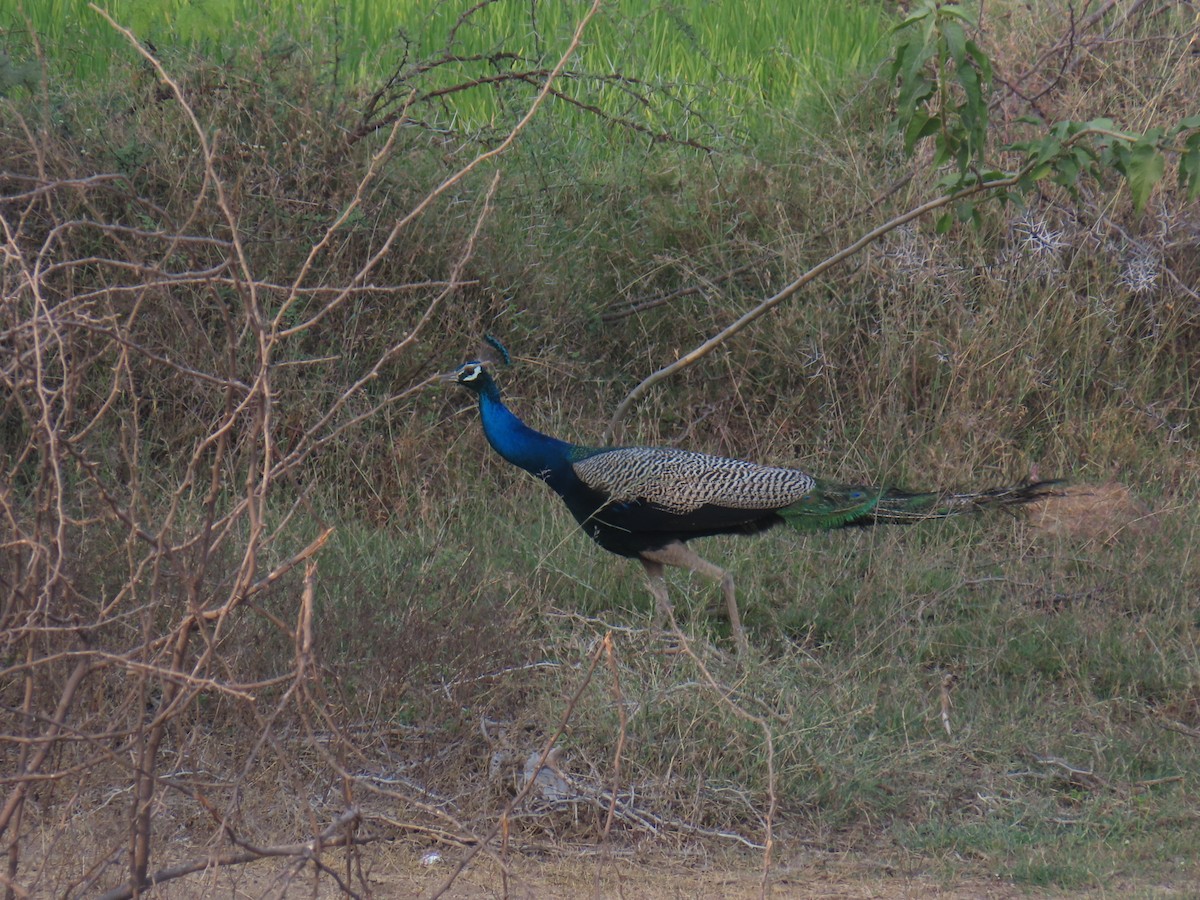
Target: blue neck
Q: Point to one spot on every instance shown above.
(536, 453)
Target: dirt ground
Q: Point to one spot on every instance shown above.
(401, 871)
(622, 878)
(554, 880)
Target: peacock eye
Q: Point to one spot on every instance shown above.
(470, 373)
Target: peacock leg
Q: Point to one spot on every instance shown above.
(658, 587)
(678, 554)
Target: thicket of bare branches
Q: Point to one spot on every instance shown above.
(132, 554)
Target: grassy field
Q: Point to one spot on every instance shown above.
(203, 377)
(689, 68)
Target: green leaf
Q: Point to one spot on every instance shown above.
(929, 30)
(953, 182)
(1063, 130)
(1039, 172)
(909, 66)
(957, 12)
(981, 60)
(910, 21)
(913, 18)
(911, 57)
(921, 126)
(946, 146)
(902, 52)
(1113, 155)
(1067, 172)
(944, 223)
(1189, 173)
(956, 41)
(1047, 148)
(1143, 170)
(913, 92)
(974, 109)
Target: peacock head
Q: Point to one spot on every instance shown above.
(475, 377)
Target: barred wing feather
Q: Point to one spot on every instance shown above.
(682, 481)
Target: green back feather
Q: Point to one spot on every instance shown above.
(831, 505)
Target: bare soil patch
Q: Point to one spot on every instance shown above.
(399, 871)
(1096, 512)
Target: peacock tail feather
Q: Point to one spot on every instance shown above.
(832, 505)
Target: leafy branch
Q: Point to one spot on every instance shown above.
(945, 80)
(944, 94)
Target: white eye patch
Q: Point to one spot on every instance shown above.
(470, 373)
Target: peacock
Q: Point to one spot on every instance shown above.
(648, 502)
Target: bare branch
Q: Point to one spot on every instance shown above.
(613, 430)
(329, 838)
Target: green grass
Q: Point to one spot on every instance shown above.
(702, 66)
